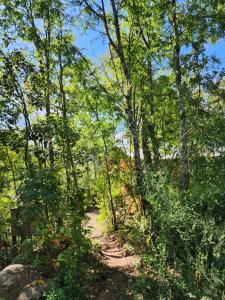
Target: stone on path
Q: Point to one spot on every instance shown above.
(21, 282)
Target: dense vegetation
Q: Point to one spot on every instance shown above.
(138, 133)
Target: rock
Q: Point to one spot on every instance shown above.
(13, 278)
(112, 237)
(35, 289)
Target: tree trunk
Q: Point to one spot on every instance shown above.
(13, 173)
(88, 180)
(181, 103)
(114, 220)
(151, 125)
(109, 185)
(137, 158)
(129, 111)
(48, 83)
(117, 45)
(145, 143)
(65, 124)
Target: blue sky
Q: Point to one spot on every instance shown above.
(93, 45)
(218, 49)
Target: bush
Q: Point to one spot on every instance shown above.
(185, 258)
(55, 294)
(27, 254)
(71, 277)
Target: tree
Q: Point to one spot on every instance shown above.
(120, 47)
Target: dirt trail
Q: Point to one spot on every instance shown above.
(118, 268)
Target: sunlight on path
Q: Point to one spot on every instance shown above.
(112, 252)
(118, 270)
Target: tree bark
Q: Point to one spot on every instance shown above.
(71, 176)
(108, 178)
(65, 122)
(181, 103)
(145, 142)
(48, 83)
(13, 173)
(149, 125)
(129, 110)
(118, 47)
(114, 220)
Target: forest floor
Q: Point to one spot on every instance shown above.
(115, 270)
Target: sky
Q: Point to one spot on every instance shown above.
(218, 50)
(91, 43)
(93, 46)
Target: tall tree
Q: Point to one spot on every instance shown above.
(120, 48)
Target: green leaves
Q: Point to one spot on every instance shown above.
(73, 130)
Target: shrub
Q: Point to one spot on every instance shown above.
(185, 257)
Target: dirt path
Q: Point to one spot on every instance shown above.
(118, 268)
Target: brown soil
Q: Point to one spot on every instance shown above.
(116, 269)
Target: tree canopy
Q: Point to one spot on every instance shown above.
(137, 132)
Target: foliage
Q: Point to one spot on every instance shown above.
(185, 258)
(137, 132)
(55, 294)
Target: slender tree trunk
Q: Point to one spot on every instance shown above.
(74, 173)
(130, 160)
(145, 142)
(29, 134)
(129, 111)
(65, 123)
(95, 170)
(13, 173)
(114, 220)
(117, 45)
(151, 125)
(48, 83)
(109, 185)
(69, 162)
(88, 179)
(28, 127)
(181, 104)
(137, 158)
